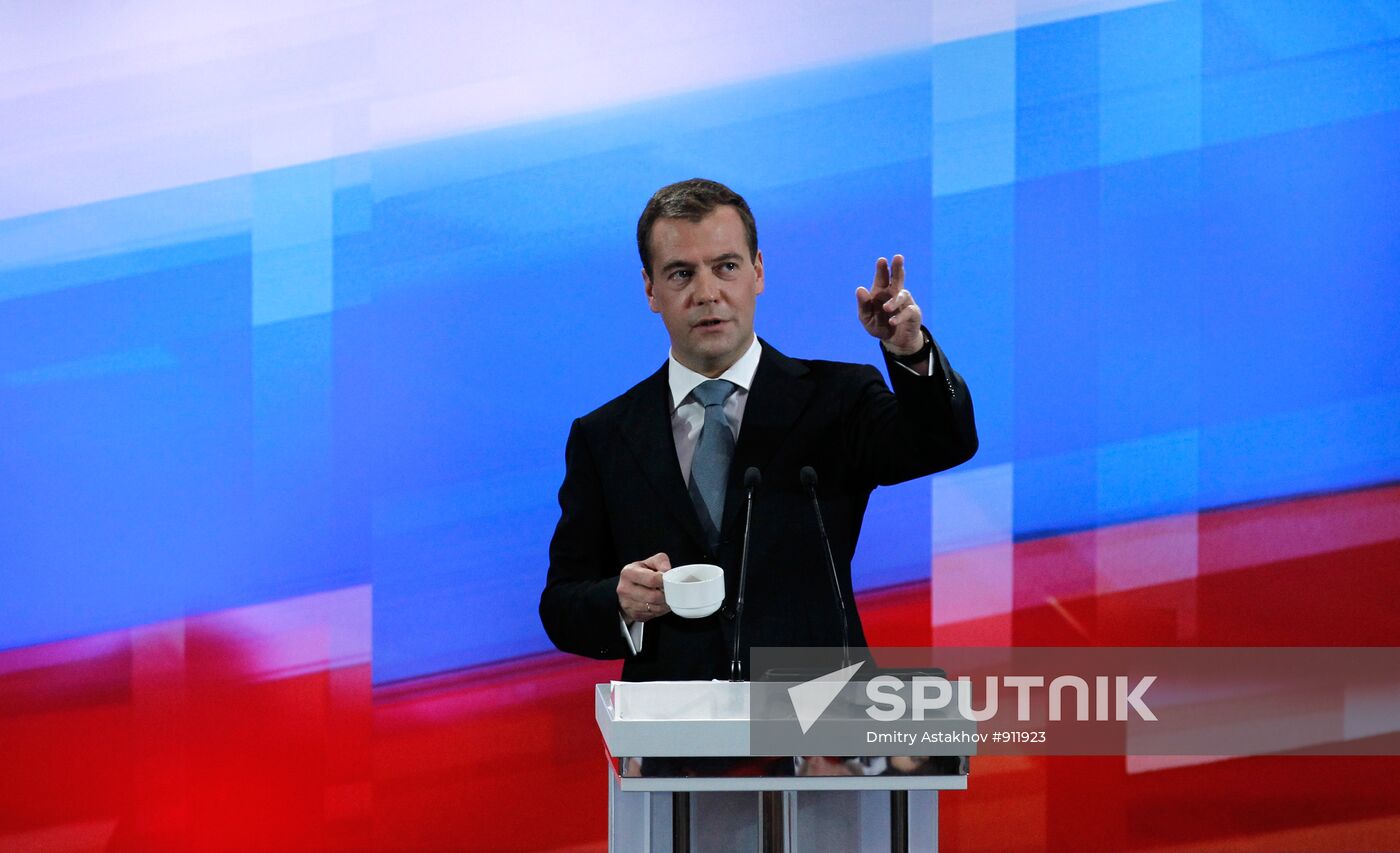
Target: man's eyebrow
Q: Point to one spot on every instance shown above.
(673, 265)
(727, 256)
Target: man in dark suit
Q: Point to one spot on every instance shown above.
(639, 497)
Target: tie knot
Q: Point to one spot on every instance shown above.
(713, 392)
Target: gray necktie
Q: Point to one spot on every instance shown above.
(709, 467)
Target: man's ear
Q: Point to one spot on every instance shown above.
(758, 272)
(651, 296)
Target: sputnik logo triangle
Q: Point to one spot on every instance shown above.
(811, 698)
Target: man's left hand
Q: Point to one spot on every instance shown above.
(888, 311)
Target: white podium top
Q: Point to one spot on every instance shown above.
(679, 700)
(669, 719)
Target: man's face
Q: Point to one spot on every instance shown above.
(703, 284)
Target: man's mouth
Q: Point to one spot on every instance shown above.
(708, 322)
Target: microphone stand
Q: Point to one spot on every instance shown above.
(809, 479)
(751, 481)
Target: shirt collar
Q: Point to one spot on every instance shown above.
(683, 380)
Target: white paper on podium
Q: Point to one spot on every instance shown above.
(680, 700)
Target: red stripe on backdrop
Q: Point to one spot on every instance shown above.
(247, 729)
(255, 729)
(503, 758)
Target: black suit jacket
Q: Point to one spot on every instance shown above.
(624, 499)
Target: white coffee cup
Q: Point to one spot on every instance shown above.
(694, 590)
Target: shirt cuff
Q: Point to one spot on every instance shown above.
(632, 634)
(931, 353)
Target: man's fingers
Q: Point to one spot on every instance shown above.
(641, 614)
(902, 306)
(640, 590)
(637, 612)
(638, 601)
(639, 575)
(644, 595)
(910, 314)
(648, 604)
(642, 580)
(881, 281)
(865, 304)
(909, 308)
(898, 301)
(886, 308)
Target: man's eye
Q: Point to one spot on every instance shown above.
(730, 266)
(680, 275)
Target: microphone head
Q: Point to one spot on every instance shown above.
(752, 478)
(808, 474)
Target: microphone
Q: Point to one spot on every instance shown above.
(752, 480)
(808, 475)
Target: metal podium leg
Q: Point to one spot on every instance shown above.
(773, 822)
(899, 822)
(680, 822)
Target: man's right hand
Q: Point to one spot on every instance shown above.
(639, 592)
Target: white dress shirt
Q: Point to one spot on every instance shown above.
(688, 413)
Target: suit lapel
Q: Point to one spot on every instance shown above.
(646, 430)
(780, 392)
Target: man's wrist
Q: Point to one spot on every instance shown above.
(918, 356)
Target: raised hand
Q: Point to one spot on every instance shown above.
(888, 311)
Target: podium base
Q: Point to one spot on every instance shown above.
(725, 821)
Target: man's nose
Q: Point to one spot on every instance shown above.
(705, 288)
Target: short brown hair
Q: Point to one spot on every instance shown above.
(692, 200)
